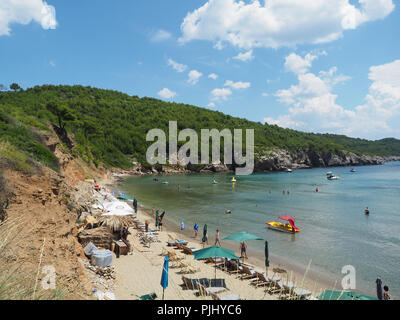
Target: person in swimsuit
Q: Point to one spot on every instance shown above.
(217, 241)
(195, 229)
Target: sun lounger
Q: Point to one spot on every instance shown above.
(288, 287)
(191, 284)
(261, 280)
(187, 267)
(247, 273)
(187, 250)
(230, 296)
(206, 291)
(234, 267)
(301, 293)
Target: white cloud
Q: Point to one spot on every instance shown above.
(276, 23)
(177, 66)
(237, 85)
(166, 93)
(213, 76)
(313, 105)
(220, 94)
(194, 77)
(160, 35)
(245, 56)
(264, 94)
(211, 105)
(297, 64)
(52, 63)
(24, 12)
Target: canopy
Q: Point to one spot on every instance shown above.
(124, 197)
(117, 208)
(343, 295)
(242, 236)
(290, 219)
(214, 252)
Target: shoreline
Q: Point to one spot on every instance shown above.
(310, 279)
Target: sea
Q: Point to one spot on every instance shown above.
(334, 232)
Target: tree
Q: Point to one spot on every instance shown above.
(2, 87)
(62, 112)
(15, 86)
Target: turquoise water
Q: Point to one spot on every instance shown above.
(334, 229)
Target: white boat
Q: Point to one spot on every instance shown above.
(332, 177)
(288, 170)
(165, 182)
(329, 173)
(215, 182)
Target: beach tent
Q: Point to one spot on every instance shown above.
(117, 208)
(343, 295)
(214, 252)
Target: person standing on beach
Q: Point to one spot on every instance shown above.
(243, 250)
(156, 218)
(386, 295)
(196, 229)
(217, 241)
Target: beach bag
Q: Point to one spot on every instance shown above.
(102, 258)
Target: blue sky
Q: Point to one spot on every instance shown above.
(312, 65)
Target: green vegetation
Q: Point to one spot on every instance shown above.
(111, 127)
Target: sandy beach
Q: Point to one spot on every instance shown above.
(139, 273)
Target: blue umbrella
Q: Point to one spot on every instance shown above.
(164, 276)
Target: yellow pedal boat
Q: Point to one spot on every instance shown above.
(288, 227)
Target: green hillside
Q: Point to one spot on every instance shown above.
(110, 126)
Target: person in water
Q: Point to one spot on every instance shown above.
(195, 229)
(317, 190)
(366, 211)
(217, 241)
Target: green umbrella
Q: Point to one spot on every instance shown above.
(266, 254)
(241, 237)
(204, 234)
(214, 252)
(156, 222)
(343, 295)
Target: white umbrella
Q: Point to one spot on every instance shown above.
(117, 208)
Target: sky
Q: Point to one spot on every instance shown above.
(326, 66)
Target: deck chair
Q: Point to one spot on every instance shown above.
(230, 296)
(247, 273)
(187, 267)
(207, 291)
(300, 294)
(235, 268)
(187, 250)
(261, 280)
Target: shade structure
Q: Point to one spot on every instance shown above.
(117, 208)
(266, 254)
(242, 236)
(379, 293)
(214, 252)
(204, 234)
(343, 295)
(156, 223)
(164, 275)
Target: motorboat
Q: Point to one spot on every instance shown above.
(329, 173)
(287, 227)
(332, 177)
(215, 182)
(352, 170)
(288, 170)
(165, 182)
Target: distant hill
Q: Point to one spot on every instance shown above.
(111, 127)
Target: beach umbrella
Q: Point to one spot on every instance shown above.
(164, 275)
(379, 288)
(266, 254)
(157, 213)
(204, 234)
(214, 252)
(343, 295)
(135, 204)
(241, 237)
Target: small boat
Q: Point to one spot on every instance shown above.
(165, 182)
(215, 182)
(233, 179)
(352, 170)
(288, 227)
(288, 170)
(332, 177)
(228, 211)
(329, 173)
